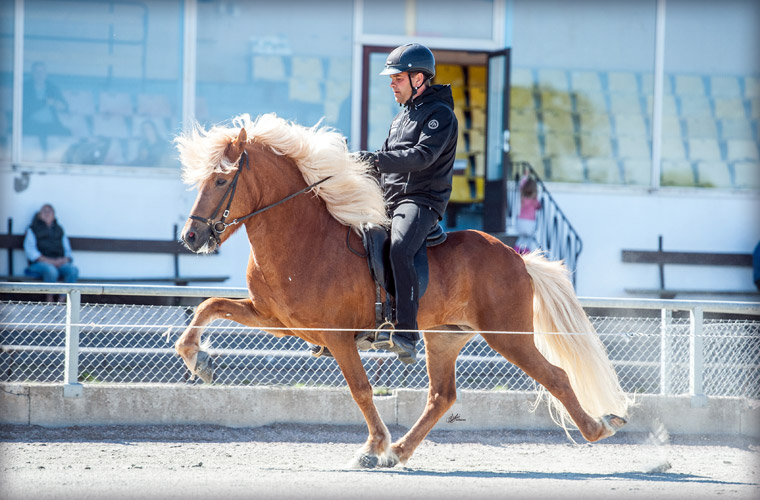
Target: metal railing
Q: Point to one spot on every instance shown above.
(554, 232)
(666, 347)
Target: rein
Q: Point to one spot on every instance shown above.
(221, 225)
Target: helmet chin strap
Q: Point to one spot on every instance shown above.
(414, 91)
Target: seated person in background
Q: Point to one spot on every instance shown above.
(43, 101)
(48, 249)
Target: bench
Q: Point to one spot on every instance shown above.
(15, 242)
(662, 258)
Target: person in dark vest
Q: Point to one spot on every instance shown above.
(415, 166)
(48, 249)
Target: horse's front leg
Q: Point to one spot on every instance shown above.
(376, 451)
(441, 351)
(188, 345)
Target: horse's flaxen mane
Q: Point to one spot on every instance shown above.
(352, 195)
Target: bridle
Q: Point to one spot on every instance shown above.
(218, 227)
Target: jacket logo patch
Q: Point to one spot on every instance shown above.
(433, 124)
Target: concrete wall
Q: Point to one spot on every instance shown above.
(104, 404)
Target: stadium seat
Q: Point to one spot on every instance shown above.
(677, 173)
(524, 145)
(585, 82)
(594, 124)
(741, 149)
(672, 148)
(604, 171)
(117, 103)
(521, 77)
(725, 86)
(628, 104)
(746, 175)
(477, 76)
(751, 87)
(633, 147)
(521, 98)
(560, 145)
(595, 146)
(637, 172)
(622, 82)
(558, 122)
(695, 105)
(523, 119)
(269, 68)
(451, 74)
(713, 174)
(591, 104)
(701, 126)
(556, 100)
(566, 169)
(729, 107)
(630, 124)
(704, 150)
(552, 79)
(669, 106)
(736, 128)
(689, 85)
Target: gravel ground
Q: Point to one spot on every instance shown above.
(299, 461)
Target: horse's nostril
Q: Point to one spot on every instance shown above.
(191, 236)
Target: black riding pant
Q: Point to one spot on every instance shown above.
(410, 226)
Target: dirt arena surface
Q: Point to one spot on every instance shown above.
(299, 461)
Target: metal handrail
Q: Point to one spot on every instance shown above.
(554, 232)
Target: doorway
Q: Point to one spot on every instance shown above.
(479, 86)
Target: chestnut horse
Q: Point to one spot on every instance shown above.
(301, 197)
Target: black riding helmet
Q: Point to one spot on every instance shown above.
(411, 57)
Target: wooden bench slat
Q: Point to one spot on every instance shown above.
(687, 258)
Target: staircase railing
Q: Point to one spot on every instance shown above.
(554, 233)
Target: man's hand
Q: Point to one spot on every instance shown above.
(369, 158)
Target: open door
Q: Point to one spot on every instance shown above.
(497, 143)
(480, 87)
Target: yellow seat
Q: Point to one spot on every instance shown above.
(560, 144)
(594, 124)
(476, 76)
(477, 140)
(466, 189)
(567, 169)
(451, 74)
(478, 118)
(477, 97)
(523, 119)
(552, 79)
(558, 121)
(524, 144)
(552, 99)
(521, 98)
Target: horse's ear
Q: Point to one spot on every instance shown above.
(237, 146)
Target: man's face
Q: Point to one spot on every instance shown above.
(402, 90)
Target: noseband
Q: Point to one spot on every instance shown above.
(218, 227)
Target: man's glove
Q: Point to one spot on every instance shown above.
(367, 157)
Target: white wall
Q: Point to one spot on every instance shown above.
(701, 220)
(117, 203)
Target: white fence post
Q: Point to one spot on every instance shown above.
(696, 358)
(665, 351)
(71, 386)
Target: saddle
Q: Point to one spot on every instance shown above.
(377, 241)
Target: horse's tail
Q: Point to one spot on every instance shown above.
(581, 354)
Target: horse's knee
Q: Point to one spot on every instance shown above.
(442, 400)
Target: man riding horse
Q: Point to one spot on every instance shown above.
(415, 168)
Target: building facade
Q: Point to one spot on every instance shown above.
(641, 117)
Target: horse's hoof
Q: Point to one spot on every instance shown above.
(204, 367)
(613, 423)
(368, 461)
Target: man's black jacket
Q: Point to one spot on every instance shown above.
(416, 159)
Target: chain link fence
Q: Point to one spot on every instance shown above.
(134, 344)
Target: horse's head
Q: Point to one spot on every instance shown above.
(214, 206)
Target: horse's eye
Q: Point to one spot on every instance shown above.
(221, 182)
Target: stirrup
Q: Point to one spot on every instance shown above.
(320, 350)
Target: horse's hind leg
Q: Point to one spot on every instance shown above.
(521, 351)
(441, 350)
(188, 345)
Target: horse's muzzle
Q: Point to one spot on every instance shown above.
(198, 237)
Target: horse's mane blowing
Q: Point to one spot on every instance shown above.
(352, 195)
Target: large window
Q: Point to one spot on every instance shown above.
(711, 100)
(102, 81)
(294, 60)
(6, 79)
(581, 78)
